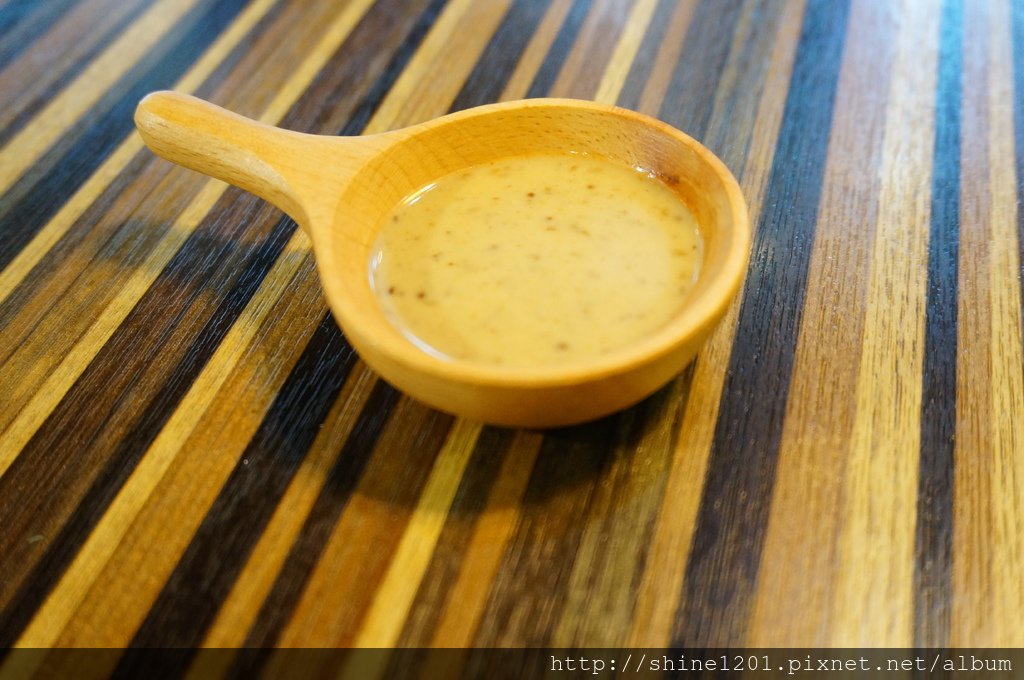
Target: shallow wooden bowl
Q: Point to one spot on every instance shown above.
(339, 189)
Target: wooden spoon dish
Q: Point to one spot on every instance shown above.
(339, 189)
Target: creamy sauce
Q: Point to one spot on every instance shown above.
(536, 260)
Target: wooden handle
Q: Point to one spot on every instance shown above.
(198, 135)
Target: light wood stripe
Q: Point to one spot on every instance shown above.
(668, 54)
(1008, 364)
(60, 380)
(64, 376)
(820, 409)
(45, 61)
(971, 577)
(625, 51)
(989, 498)
(593, 608)
(874, 584)
(55, 328)
(63, 110)
(355, 556)
(467, 598)
(111, 530)
(29, 256)
(533, 56)
(81, 276)
(255, 581)
(415, 108)
(109, 533)
(136, 565)
(383, 622)
(660, 590)
(129, 512)
(589, 56)
(599, 609)
(415, 98)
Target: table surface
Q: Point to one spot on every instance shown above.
(191, 454)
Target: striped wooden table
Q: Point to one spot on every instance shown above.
(192, 455)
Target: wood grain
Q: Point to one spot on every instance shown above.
(64, 109)
(45, 240)
(820, 411)
(40, 67)
(187, 222)
(881, 487)
(975, 384)
(727, 541)
(192, 455)
(986, 486)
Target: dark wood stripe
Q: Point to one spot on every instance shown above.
(620, 520)
(656, 420)
(110, 417)
(486, 461)
(581, 74)
(38, 467)
(559, 51)
(590, 443)
(470, 499)
(531, 583)
(108, 231)
(57, 257)
(690, 97)
(74, 281)
(27, 205)
(491, 73)
(481, 474)
(12, 12)
(934, 534)
(117, 407)
(814, 461)
(597, 511)
(217, 84)
(645, 58)
(1018, 127)
(733, 72)
(720, 575)
(330, 503)
(95, 234)
(220, 547)
(75, 58)
(22, 22)
(729, 134)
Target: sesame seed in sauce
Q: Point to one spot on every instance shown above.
(513, 285)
